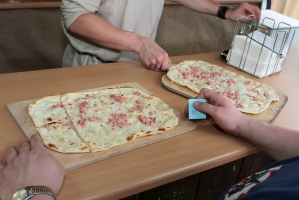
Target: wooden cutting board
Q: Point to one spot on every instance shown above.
(19, 112)
(267, 116)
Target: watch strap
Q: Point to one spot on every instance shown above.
(35, 190)
(222, 11)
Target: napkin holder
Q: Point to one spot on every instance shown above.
(254, 51)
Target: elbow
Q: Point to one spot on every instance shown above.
(72, 28)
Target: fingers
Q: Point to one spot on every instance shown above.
(11, 154)
(159, 65)
(203, 94)
(244, 9)
(165, 64)
(257, 12)
(153, 56)
(253, 10)
(204, 107)
(25, 146)
(206, 94)
(36, 142)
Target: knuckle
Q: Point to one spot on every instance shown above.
(153, 61)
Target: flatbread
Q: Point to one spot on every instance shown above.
(99, 120)
(247, 95)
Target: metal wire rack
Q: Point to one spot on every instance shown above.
(260, 49)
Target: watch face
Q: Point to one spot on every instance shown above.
(21, 194)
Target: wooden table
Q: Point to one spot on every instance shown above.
(153, 165)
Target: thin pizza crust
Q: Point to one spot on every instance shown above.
(247, 95)
(99, 120)
(46, 110)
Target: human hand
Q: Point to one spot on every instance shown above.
(243, 9)
(152, 56)
(221, 110)
(31, 166)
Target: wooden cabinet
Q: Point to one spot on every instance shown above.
(207, 185)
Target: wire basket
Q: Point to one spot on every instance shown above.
(260, 49)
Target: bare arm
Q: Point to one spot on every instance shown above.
(210, 7)
(101, 32)
(278, 142)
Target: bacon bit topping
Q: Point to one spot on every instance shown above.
(153, 113)
(123, 124)
(255, 99)
(95, 105)
(209, 82)
(230, 82)
(55, 106)
(230, 95)
(266, 95)
(62, 139)
(119, 120)
(215, 74)
(248, 83)
(138, 105)
(204, 75)
(118, 98)
(149, 121)
(132, 109)
(240, 106)
(81, 122)
(186, 74)
(93, 119)
(137, 93)
(256, 91)
(83, 107)
(68, 125)
(88, 96)
(78, 99)
(195, 69)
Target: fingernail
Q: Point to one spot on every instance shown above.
(196, 103)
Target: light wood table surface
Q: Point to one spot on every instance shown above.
(158, 163)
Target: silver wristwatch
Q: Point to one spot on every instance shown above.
(28, 192)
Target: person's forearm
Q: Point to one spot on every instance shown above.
(203, 6)
(101, 32)
(278, 142)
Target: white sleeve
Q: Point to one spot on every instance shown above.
(72, 9)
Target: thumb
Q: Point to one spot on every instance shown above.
(204, 107)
